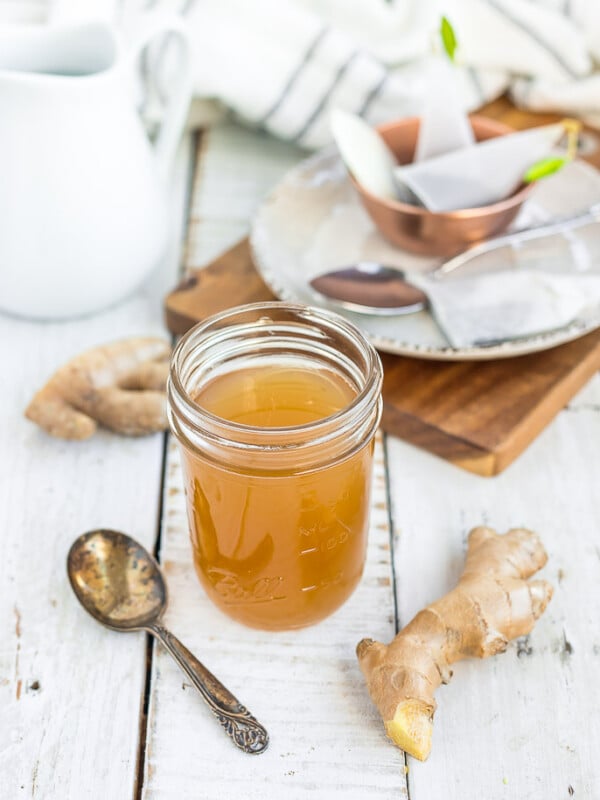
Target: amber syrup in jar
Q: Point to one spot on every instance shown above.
(276, 428)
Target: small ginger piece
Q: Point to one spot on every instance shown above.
(119, 385)
(492, 603)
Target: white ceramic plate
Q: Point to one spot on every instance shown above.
(313, 222)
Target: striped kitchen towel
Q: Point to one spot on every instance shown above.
(282, 65)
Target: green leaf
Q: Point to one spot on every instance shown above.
(547, 166)
(448, 38)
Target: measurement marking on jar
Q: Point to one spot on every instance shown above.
(323, 583)
(335, 540)
(330, 543)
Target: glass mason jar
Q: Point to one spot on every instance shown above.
(275, 407)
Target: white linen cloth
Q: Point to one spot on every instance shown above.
(284, 64)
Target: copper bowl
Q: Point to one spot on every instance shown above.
(438, 233)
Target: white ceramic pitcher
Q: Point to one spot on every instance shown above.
(83, 216)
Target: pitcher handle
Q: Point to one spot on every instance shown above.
(178, 103)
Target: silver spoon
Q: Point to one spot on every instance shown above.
(119, 583)
(372, 288)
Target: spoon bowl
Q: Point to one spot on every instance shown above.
(120, 584)
(116, 580)
(371, 288)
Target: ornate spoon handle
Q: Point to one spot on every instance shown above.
(248, 734)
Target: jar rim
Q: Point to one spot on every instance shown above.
(330, 316)
(280, 438)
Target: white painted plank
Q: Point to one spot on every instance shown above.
(524, 724)
(305, 686)
(75, 736)
(236, 169)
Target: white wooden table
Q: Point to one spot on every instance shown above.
(87, 714)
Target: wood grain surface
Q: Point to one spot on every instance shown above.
(230, 280)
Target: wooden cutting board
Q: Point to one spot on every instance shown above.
(478, 415)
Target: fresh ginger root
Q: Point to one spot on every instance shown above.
(492, 603)
(120, 386)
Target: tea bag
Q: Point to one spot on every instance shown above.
(444, 126)
(481, 174)
(488, 309)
